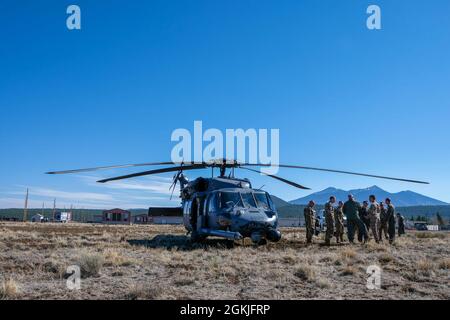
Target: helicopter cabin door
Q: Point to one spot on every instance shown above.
(210, 211)
(197, 216)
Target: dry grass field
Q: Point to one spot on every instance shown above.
(157, 262)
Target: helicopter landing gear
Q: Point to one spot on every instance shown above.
(197, 237)
(258, 239)
(273, 235)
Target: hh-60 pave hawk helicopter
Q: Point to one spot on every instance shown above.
(224, 206)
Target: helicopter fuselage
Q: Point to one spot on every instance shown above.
(229, 208)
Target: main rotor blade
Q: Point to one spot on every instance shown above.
(294, 184)
(120, 166)
(112, 167)
(235, 164)
(150, 172)
(335, 171)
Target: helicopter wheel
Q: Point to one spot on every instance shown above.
(258, 239)
(230, 244)
(262, 242)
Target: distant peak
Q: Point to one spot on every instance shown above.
(328, 190)
(374, 187)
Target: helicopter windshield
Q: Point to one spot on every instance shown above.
(262, 200)
(248, 199)
(226, 197)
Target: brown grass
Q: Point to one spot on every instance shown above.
(348, 271)
(90, 263)
(143, 292)
(425, 265)
(305, 272)
(348, 253)
(386, 258)
(8, 289)
(113, 257)
(430, 235)
(157, 262)
(444, 264)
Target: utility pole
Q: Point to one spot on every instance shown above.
(54, 209)
(25, 210)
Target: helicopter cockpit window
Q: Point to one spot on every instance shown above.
(271, 204)
(226, 197)
(212, 203)
(248, 199)
(262, 200)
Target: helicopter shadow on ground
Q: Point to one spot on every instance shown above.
(181, 242)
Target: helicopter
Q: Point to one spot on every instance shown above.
(224, 206)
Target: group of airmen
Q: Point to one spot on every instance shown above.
(370, 217)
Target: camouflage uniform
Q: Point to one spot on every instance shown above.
(364, 215)
(329, 221)
(310, 222)
(401, 225)
(339, 224)
(351, 210)
(374, 216)
(383, 228)
(390, 213)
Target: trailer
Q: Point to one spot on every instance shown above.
(62, 217)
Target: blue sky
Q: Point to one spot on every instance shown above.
(342, 96)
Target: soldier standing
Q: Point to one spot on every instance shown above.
(383, 229)
(310, 220)
(390, 213)
(351, 210)
(401, 224)
(374, 215)
(364, 214)
(329, 220)
(339, 222)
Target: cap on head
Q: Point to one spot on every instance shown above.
(372, 197)
(312, 203)
(350, 197)
(388, 200)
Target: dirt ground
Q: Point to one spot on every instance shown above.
(158, 262)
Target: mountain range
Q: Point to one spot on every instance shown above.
(400, 199)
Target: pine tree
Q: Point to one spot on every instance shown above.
(440, 220)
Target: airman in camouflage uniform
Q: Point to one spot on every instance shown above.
(310, 221)
(383, 229)
(390, 213)
(351, 211)
(339, 222)
(374, 215)
(401, 224)
(364, 214)
(329, 220)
